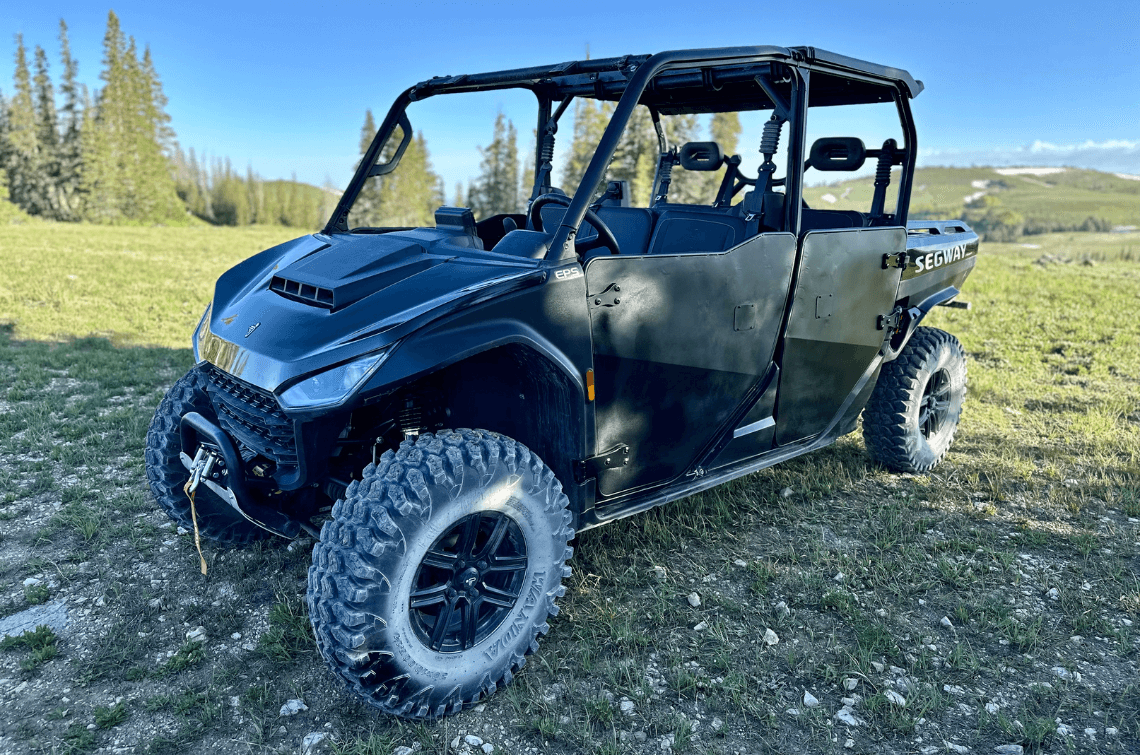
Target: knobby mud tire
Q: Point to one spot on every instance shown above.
(217, 521)
(891, 428)
(365, 565)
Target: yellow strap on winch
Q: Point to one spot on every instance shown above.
(194, 517)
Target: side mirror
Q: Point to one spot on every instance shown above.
(837, 153)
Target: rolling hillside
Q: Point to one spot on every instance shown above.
(1046, 199)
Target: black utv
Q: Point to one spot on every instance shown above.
(455, 402)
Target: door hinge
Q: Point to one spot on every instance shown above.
(609, 297)
(895, 260)
(890, 321)
(615, 458)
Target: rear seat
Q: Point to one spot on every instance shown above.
(693, 228)
(631, 226)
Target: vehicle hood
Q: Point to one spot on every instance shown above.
(322, 300)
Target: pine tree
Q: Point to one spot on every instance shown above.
(126, 174)
(590, 120)
(21, 144)
(366, 210)
(47, 136)
(496, 190)
(69, 154)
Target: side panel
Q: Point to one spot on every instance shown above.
(679, 340)
(833, 334)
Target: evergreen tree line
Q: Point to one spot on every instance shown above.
(110, 156)
(215, 192)
(409, 195)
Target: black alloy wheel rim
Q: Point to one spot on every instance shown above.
(467, 582)
(935, 403)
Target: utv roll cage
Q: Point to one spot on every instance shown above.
(683, 81)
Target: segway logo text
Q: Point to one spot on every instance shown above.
(941, 257)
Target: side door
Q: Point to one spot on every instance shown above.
(679, 340)
(834, 332)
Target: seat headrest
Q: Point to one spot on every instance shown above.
(838, 153)
(701, 156)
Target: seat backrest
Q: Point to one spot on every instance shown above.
(631, 226)
(694, 228)
(815, 220)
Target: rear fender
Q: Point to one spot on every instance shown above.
(911, 318)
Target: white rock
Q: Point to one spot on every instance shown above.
(946, 622)
(850, 702)
(960, 749)
(782, 608)
(846, 716)
(771, 638)
(701, 627)
(793, 711)
(1053, 594)
(810, 700)
(895, 698)
(787, 493)
(717, 724)
(694, 600)
(455, 743)
(740, 562)
(473, 740)
(850, 683)
(1090, 733)
(311, 740)
(1061, 672)
(478, 709)
(31, 582)
(839, 576)
(626, 706)
(992, 708)
(197, 634)
(1009, 750)
(1111, 731)
(849, 743)
(403, 750)
(91, 727)
(1065, 730)
(488, 748)
(183, 531)
(878, 666)
(293, 707)
(659, 572)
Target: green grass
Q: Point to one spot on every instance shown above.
(1049, 445)
(133, 285)
(40, 644)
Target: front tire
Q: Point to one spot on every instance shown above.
(912, 416)
(217, 521)
(438, 570)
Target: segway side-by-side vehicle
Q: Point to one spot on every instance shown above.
(449, 405)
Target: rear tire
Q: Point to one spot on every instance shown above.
(414, 542)
(912, 416)
(217, 521)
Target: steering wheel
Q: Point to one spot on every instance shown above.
(604, 238)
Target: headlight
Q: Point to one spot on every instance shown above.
(333, 386)
(205, 321)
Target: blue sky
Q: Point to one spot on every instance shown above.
(283, 87)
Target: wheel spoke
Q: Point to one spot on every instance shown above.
(428, 596)
(496, 538)
(439, 633)
(506, 564)
(439, 559)
(497, 596)
(470, 534)
(467, 629)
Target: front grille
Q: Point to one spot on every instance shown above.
(253, 418)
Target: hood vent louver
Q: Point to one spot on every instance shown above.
(305, 293)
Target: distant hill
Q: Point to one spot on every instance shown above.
(1031, 200)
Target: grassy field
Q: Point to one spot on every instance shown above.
(1026, 541)
(1063, 199)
